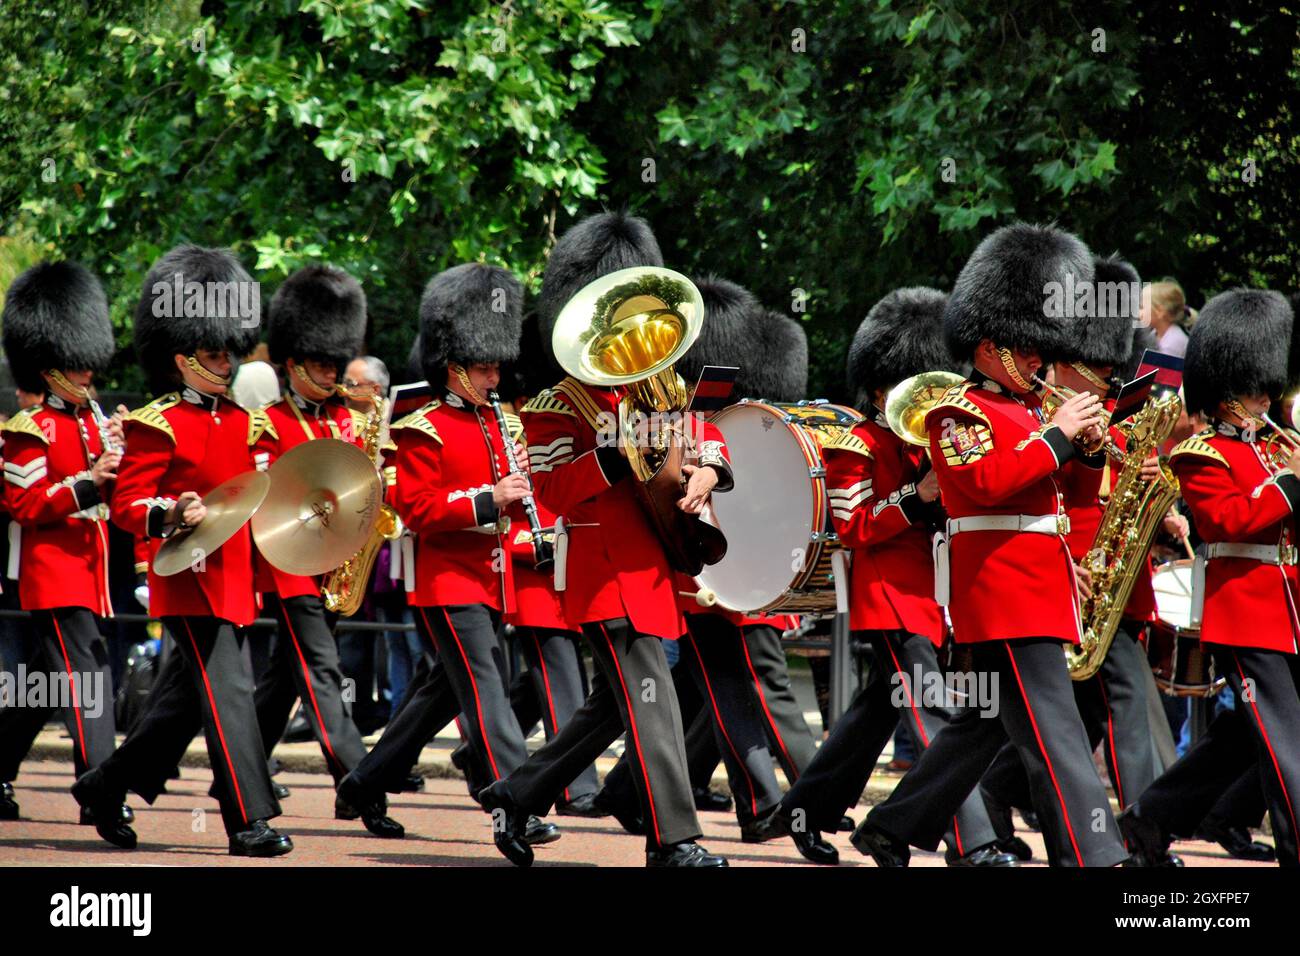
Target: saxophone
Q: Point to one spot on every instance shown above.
(344, 588)
(1128, 526)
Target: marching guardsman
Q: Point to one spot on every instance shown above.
(1239, 479)
(456, 492)
(1113, 703)
(316, 325)
(198, 312)
(58, 478)
(619, 585)
(884, 505)
(1012, 593)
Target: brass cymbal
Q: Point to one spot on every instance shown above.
(324, 500)
(229, 506)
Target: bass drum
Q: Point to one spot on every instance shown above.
(1182, 666)
(781, 546)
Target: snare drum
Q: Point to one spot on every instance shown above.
(1182, 666)
(780, 542)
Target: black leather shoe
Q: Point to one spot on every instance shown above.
(985, 856)
(583, 806)
(847, 824)
(374, 815)
(8, 805)
(105, 806)
(259, 840)
(279, 790)
(1146, 841)
(810, 844)
(414, 783)
(683, 854)
(88, 818)
(1031, 820)
(769, 826)
(629, 821)
(538, 832)
(1017, 847)
(299, 730)
(709, 802)
(880, 846)
(1237, 841)
(509, 823)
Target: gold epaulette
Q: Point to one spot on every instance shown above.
(1197, 445)
(152, 414)
(848, 441)
(955, 398)
(418, 420)
(514, 425)
(23, 424)
(259, 423)
(548, 401)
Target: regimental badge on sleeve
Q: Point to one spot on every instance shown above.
(964, 442)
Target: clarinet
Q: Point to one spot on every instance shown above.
(543, 557)
(106, 443)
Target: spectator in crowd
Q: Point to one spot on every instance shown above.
(1165, 312)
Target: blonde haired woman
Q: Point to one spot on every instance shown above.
(1165, 311)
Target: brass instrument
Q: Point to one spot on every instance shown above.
(1133, 514)
(1058, 394)
(910, 401)
(344, 588)
(627, 328)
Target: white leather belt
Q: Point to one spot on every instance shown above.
(1035, 524)
(1265, 553)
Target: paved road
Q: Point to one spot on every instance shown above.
(444, 827)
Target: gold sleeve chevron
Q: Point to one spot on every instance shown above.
(152, 414)
(23, 424)
(1197, 445)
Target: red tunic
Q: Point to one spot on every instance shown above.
(294, 420)
(1236, 496)
(449, 457)
(616, 565)
(48, 451)
(995, 456)
(871, 477)
(188, 442)
(1082, 484)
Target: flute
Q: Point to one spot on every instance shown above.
(543, 557)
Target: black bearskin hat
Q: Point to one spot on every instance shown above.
(1105, 335)
(901, 336)
(1143, 339)
(1005, 292)
(194, 298)
(469, 313)
(781, 372)
(318, 313)
(596, 246)
(727, 336)
(56, 319)
(533, 370)
(1241, 345)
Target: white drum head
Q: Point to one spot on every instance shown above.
(1173, 586)
(767, 517)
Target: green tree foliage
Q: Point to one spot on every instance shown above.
(820, 151)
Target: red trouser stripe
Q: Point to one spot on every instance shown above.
(546, 682)
(717, 716)
(636, 736)
(1277, 769)
(216, 719)
(478, 704)
(762, 699)
(311, 691)
(920, 730)
(1110, 742)
(1065, 813)
(72, 682)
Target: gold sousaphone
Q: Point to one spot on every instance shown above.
(910, 401)
(323, 504)
(627, 328)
